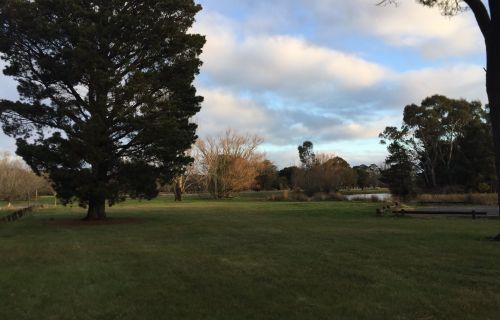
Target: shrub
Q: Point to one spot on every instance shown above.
(337, 196)
(299, 195)
(484, 187)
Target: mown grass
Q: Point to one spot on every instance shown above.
(248, 259)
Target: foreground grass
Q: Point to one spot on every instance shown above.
(242, 259)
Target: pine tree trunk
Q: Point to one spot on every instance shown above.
(97, 198)
(96, 209)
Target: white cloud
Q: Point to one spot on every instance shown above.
(280, 62)
(222, 110)
(407, 25)
(457, 81)
(413, 25)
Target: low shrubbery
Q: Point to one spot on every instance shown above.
(299, 195)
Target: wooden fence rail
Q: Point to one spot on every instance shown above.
(16, 215)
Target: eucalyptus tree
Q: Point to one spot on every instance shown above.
(446, 137)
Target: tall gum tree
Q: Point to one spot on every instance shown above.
(487, 14)
(106, 93)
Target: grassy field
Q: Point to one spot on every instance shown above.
(248, 259)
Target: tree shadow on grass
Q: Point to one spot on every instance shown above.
(82, 223)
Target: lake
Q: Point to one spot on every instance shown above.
(381, 196)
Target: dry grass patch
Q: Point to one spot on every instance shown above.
(469, 198)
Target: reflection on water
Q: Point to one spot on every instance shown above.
(381, 196)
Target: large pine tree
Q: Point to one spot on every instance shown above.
(106, 93)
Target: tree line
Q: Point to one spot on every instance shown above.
(230, 163)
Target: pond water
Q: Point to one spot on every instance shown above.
(381, 196)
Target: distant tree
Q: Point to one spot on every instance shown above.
(362, 176)
(375, 174)
(424, 123)
(307, 181)
(287, 177)
(306, 154)
(400, 173)
(229, 162)
(334, 173)
(328, 174)
(267, 178)
(106, 93)
(367, 176)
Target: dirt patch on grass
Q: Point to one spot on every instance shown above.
(85, 223)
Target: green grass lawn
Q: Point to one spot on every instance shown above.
(248, 259)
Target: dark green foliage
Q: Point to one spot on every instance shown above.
(475, 164)
(400, 172)
(106, 93)
(268, 178)
(286, 175)
(306, 154)
(449, 143)
(367, 176)
(362, 176)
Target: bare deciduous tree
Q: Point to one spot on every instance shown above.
(17, 181)
(229, 162)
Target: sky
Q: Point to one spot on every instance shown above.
(333, 72)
